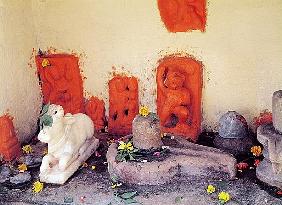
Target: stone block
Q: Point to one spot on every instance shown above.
(277, 110)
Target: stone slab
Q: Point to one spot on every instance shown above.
(190, 159)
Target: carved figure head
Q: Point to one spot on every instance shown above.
(174, 80)
(56, 112)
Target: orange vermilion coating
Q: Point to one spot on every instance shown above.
(179, 91)
(9, 144)
(123, 104)
(61, 81)
(183, 15)
(95, 109)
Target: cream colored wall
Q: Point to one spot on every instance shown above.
(241, 51)
(241, 48)
(19, 89)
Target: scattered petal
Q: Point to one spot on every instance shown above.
(144, 111)
(97, 154)
(93, 167)
(37, 187)
(223, 197)
(256, 162)
(27, 149)
(45, 63)
(22, 168)
(211, 189)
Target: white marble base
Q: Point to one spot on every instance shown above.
(56, 176)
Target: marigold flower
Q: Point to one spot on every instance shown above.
(210, 189)
(256, 150)
(144, 111)
(125, 146)
(22, 167)
(45, 63)
(27, 149)
(37, 187)
(223, 197)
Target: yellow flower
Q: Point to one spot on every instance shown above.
(45, 63)
(37, 187)
(93, 167)
(125, 146)
(27, 149)
(22, 167)
(223, 197)
(256, 150)
(210, 189)
(144, 111)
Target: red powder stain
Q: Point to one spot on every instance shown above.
(183, 15)
(9, 144)
(123, 104)
(179, 91)
(264, 117)
(61, 81)
(95, 109)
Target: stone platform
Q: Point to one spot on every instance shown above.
(185, 159)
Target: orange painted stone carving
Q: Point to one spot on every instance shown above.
(179, 90)
(183, 15)
(9, 144)
(95, 109)
(61, 81)
(123, 104)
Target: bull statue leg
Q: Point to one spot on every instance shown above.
(47, 162)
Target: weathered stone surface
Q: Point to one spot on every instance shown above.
(277, 110)
(233, 145)
(190, 159)
(5, 173)
(270, 169)
(146, 132)
(232, 125)
(21, 178)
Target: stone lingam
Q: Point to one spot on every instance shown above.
(70, 141)
(183, 157)
(270, 136)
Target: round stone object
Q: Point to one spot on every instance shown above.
(277, 110)
(146, 132)
(233, 125)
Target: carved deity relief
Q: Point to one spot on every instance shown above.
(61, 81)
(123, 104)
(95, 109)
(183, 15)
(9, 144)
(179, 89)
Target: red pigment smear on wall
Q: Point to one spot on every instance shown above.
(95, 109)
(123, 104)
(61, 81)
(183, 15)
(9, 144)
(264, 117)
(179, 91)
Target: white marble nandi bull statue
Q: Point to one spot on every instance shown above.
(70, 141)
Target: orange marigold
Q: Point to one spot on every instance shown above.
(256, 150)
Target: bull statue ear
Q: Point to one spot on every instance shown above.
(69, 119)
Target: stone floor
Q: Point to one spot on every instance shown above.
(89, 186)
